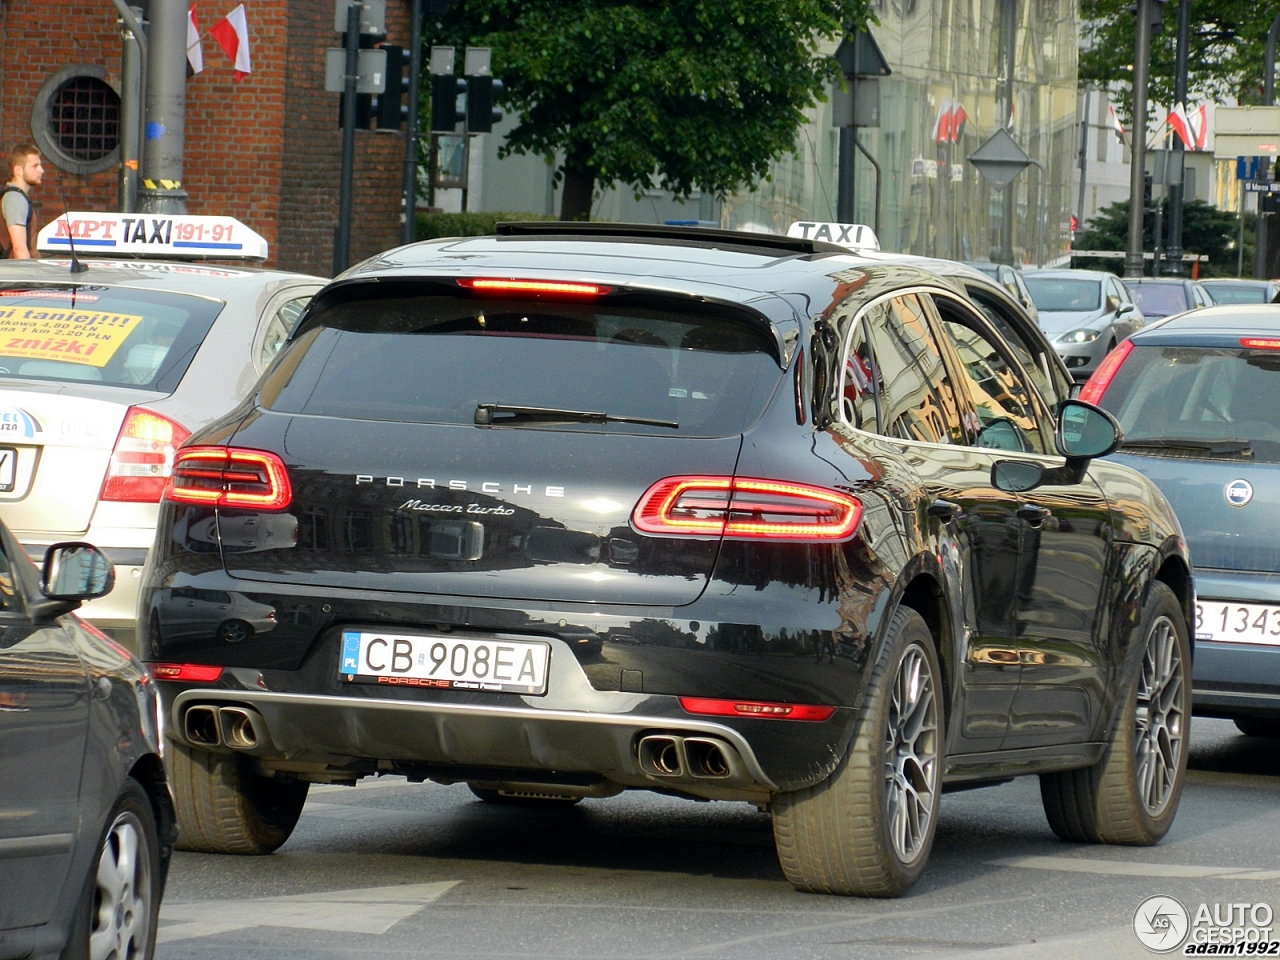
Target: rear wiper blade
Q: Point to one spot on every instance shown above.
(503, 414)
(1226, 445)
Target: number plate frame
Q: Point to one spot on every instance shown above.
(1209, 620)
(8, 469)
(428, 662)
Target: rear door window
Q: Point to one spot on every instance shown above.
(111, 335)
(918, 400)
(672, 368)
(1200, 402)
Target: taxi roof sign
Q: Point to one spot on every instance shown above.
(857, 237)
(167, 237)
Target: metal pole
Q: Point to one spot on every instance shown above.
(1008, 50)
(130, 114)
(342, 234)
(1269, 64)
(872, 160)
(409, 215)
(1133, 260)
(1173, 254)
(135, 25)
(1240, 238)
(165, 121)
(844, 190)
(1260, 270)
(1084, 158)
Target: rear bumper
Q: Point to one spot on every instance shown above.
(1230, 679)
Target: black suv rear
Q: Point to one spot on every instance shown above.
(581, 508)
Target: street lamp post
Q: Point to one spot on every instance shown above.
(1173, 254)
(1133, 260)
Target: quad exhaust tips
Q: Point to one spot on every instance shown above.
(677, 758)
(239, 728)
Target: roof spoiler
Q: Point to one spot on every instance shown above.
(658, 233)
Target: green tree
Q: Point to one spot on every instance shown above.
(1205, 229)
(1225, 56)
(690, 94)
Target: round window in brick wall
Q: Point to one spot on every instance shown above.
(76, 120)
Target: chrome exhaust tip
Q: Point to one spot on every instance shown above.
(241, 728)
(708, 759)
(200, 727)
(660, 756)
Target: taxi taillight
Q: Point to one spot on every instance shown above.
(746, 508)
(142, 461)
(229, 477)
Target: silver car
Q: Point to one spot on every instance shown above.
(1084, 313)
(103, 374)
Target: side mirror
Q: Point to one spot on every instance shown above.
(1086, 432)
(1016, 476)
(76, 571)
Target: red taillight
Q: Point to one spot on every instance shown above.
(142, 461)
(745, 508)
(1260, 343)
(555, 288)
(1106, 372)
(229, 477)
(185, 672)
(759, 709)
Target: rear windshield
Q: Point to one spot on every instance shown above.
(98, 334)
(439, 359)
(1158, 299)
(1237, 292)
(1051, 294)
(1200, 402)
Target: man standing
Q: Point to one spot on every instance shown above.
(18, 240)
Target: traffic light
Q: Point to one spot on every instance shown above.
(445, 90)
(391, 110)
(481, 93)
(364, 109)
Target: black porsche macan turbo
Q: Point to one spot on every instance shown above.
(586, 507)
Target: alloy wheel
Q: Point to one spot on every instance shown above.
(911, 754)
(1159, 718)
(120, 922)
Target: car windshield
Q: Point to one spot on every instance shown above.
(99, 334)
(1237, 292)
(467, 361)
(1158, 299)
(1059, 294)
(1205, 402)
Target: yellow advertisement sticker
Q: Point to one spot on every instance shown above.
(88, 337)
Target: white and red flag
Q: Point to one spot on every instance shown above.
(1179, 124)
(958, 120)
(195, 56)
(232, 34)
(942, 123)
(1199, 121)
(1116, 125)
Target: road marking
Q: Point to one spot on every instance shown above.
(1117, 868)
(381, 908)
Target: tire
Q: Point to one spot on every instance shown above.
(120, 904)
(1258, 726)
(234, 631)
(491, 795)
(853, 834)
(224, 807)
(1131, 795)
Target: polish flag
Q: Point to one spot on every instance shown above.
(1116, 125)
(1199, 121)
(195, 56)
(232, 34)
(1179, 124)
(958, 120)
(942, 125)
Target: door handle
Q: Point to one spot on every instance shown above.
(944, 510)
(1034, 514)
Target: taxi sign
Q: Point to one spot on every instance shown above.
(167, 236)
(855, 236)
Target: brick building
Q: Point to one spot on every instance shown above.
(266, 149)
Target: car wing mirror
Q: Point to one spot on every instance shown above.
(1016, 476)
(76, 571)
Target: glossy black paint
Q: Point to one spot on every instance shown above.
(1031, 597)
(78, 715)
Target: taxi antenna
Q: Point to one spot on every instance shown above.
(76, 265)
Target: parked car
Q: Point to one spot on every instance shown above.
(1085, 313)
(1160, 297)
(86, 821)
(835, 548)
(1011, 278)
(89, 423)
(1198, 397)
(1226, 291)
